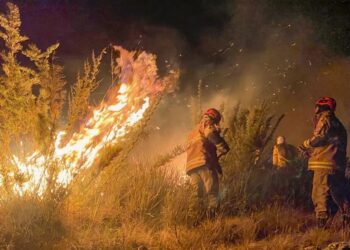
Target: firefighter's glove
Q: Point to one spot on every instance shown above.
(306, 144)
(302, 148)
(304, 151)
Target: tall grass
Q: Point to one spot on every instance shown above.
(29, 223)
(147, 205)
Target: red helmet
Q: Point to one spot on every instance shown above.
(214, 114)
(327, 101)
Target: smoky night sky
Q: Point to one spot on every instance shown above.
(287, 52)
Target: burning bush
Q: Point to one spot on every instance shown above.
(40, 159)
(30, 118)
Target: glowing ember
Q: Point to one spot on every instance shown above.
(124, 107)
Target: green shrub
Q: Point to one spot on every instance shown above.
(249, 180)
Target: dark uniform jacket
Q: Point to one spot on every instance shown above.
(328, 143)
(204, 146)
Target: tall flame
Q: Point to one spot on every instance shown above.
(124, 107)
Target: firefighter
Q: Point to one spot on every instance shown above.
(283, 154)
(326, 150)
(205, 147)
(284, 159)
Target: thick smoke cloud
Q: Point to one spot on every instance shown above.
(284, 62)
(255, 59)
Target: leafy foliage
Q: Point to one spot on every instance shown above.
(250, 181)
(50, 99)
(82, 89)
(26, 116)
(16, 81)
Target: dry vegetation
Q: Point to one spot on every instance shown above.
(119, 205)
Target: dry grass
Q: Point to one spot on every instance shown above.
(29, 223)
(132, 214)
(145, 207)
(120, 205)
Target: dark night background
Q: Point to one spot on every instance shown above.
(189, 18)
(288, 52)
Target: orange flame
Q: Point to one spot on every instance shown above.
(124, 107)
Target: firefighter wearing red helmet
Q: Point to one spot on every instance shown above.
(205, 146)
(326, 150)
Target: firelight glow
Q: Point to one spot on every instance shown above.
(108, 124)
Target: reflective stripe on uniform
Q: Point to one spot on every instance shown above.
(321, 165)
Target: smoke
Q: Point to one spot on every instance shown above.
(258, 54)
(255, 59)
(283, 61)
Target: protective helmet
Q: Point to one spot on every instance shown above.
(280, 140)
(213, 114)
(326, 101)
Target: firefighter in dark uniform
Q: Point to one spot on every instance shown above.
(326, 149)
